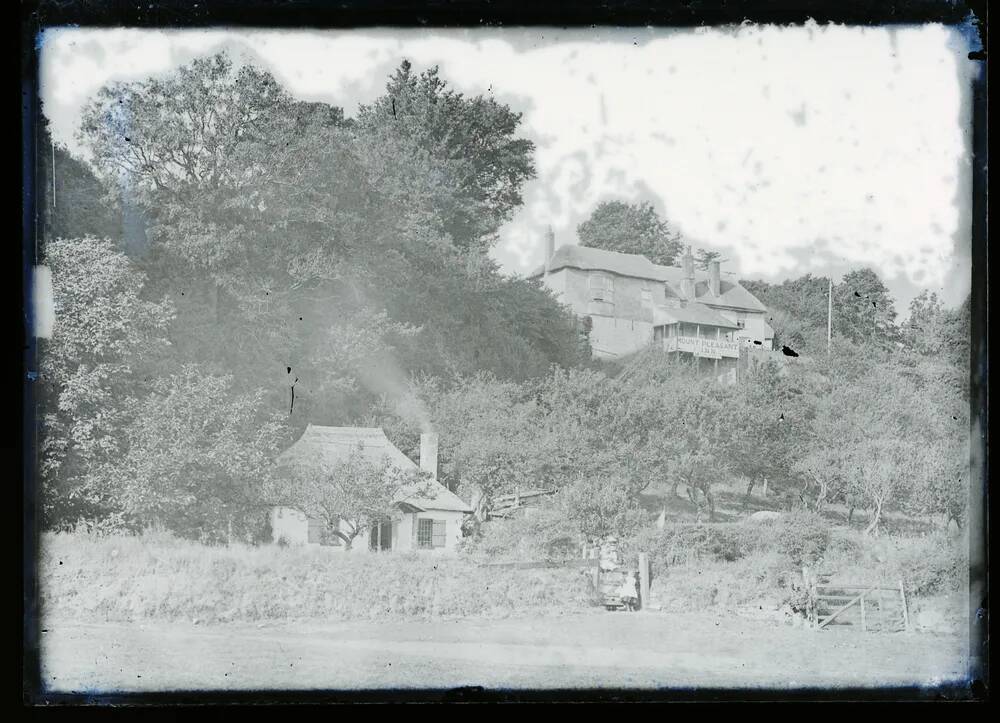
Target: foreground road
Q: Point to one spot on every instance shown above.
(615, 650)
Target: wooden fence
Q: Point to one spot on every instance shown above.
(875, 608)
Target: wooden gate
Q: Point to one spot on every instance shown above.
(875, 608)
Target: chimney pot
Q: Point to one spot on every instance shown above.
(715, 281)
(550, 247)
(687, 282)
(429, 453)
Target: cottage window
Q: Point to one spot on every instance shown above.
(430, 533)
(647, 297)
(602, 287)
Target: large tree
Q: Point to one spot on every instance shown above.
(291, 235)
(197, 458)
(863, 308)
(453, 162)
(107, 339)
(631, 228)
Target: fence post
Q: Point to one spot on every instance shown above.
(810, 596)
(643, 581)
(902, 599)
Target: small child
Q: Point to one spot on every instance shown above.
(629, 590)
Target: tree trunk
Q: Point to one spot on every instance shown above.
(872, 528)
(850, 515)
(711, 504)
(749, 493)
(692, 497)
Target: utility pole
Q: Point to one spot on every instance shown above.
(53, 144)
(829, 317)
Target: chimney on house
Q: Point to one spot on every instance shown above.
(714, 280)
(429, 453)
(687, 282)
(550, 248)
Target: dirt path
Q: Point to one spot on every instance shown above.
(573, 651)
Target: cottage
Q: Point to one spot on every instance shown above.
(427, 516)
(633, 303)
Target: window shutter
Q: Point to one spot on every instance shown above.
(439, 537)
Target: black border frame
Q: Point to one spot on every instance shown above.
(35, 14)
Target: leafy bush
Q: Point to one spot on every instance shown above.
(800, 537)
(544, 534)
(803, 536)
(927, 565)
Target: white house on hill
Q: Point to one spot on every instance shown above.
(427, 516)
(632, 304)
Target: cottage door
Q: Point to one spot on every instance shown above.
(380, 537)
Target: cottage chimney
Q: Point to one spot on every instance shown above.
(687, 282)
(714, 283)
(429, 453)
(550, 248)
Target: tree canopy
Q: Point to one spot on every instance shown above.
(631, 228)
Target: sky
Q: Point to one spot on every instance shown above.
(791, 150)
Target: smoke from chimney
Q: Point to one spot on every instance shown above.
(429, 453)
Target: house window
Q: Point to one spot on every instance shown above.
(602, 287)
(602, 281)
(430, 533)
(647, 297)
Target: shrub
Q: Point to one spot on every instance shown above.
(544, 534)
(803, 536)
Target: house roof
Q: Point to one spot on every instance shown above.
(590, 259)
(330, 445)
(693, 313)
(637, 266)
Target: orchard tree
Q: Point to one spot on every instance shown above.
(600, 506)
(631, 229)
(488, 432)
(348, 496)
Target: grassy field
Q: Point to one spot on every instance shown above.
(157, 613)
(588, 650)
(159, 577)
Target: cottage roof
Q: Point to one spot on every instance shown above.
(693, 313)
(637, 266)
(330, 445)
